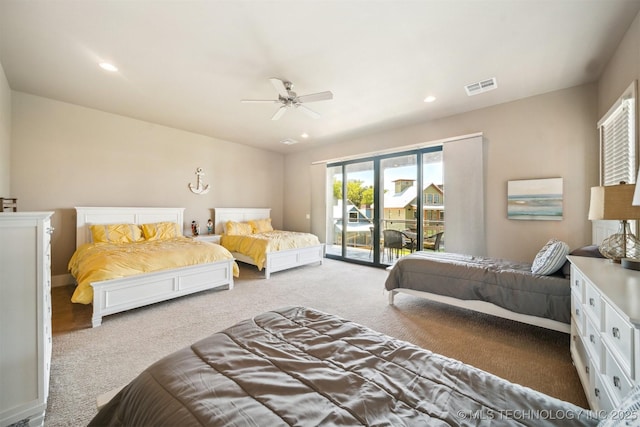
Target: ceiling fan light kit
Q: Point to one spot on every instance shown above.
(288, 98)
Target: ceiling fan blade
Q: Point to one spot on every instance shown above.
(320, 96)
(309, 112)
(279, 113)
(280, 87)
(259, 101)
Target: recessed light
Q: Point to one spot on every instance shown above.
(304, 135)
(289, 141)
(430, 98)
(108, 66)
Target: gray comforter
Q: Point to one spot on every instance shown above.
(507, 284)
(298, 366)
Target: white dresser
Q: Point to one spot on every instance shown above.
(25, 316)
(605, 339)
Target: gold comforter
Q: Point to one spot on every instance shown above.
(257, 245)
(95, 262)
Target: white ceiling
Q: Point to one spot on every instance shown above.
(187, 64)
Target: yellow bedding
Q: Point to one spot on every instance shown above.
(94, 262)
(256, 246)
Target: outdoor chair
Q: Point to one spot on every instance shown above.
(433, 242)
(393, 242)
(410, 240)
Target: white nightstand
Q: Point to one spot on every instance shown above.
(211, 238)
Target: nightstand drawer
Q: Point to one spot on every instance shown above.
(211, 238)
(615, 378)
(619, 334)
(592, 301)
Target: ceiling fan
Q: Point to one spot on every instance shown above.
(288, 98)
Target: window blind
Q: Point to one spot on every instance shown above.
(618, 142)
(464, 202)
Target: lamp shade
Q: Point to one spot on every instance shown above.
(613, 202)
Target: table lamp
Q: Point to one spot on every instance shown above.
(614, 202)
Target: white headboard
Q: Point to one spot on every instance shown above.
(86, 216)
(222, 215)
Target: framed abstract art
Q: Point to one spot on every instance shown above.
(535, 199)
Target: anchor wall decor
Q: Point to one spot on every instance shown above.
(200, 187)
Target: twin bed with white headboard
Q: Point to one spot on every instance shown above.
(117, 295)
(277, 260)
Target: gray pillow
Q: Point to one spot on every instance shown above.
(550, 258)
(587, 251)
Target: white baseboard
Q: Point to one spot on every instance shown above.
(62, 280)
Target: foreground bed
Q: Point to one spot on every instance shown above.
(298, 366)
(124, 293)
(300, 248)
(494, 286)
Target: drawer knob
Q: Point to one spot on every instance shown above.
(586, 368)
(616, 332)
(592, 302)
(616, 382)
(577, 312)
(592, 338)
(596, 391)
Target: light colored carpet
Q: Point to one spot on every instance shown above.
(90, 362)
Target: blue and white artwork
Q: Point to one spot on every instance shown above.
(535, 199)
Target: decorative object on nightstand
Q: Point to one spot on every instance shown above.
(209, 226)
(195, 228)
(614, 202)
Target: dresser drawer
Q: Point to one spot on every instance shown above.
(615, 378)
(592, 301)
(618, 334)
(581, 359)
(593, 342)
(600, 395)
(577, 284)
(577, 312)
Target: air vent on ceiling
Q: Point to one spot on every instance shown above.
(289, 141)
(481, 86)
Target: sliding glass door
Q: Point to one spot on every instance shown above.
(376, 212)
(352, 188)
(399, 224)
(432, 201)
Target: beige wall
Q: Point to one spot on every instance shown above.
(622, 69)
(5, 135)
(551, 135)
(64, 156)
(54, 156)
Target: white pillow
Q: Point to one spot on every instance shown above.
(550, 258)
